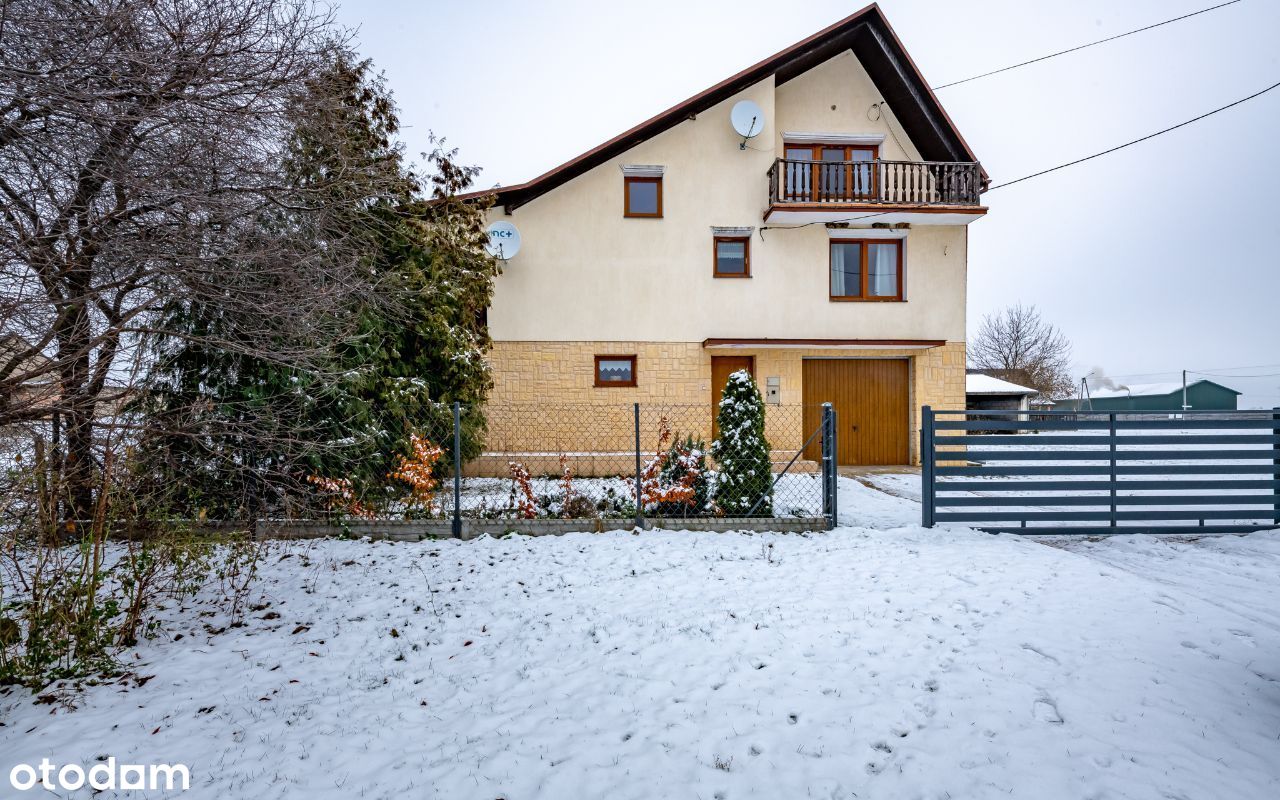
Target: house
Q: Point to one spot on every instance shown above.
(987, 393)
(30, 387)
(825, 251)
(1202, 395)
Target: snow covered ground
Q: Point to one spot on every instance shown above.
(880, 660)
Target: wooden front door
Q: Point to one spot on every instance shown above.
(721, 368)
(870, 397)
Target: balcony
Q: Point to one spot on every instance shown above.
(922, 192)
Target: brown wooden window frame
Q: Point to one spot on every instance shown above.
(603, 384)
(627, 180)
(863, 273)
(746, 256)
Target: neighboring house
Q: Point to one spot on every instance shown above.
(987, 393)
(1202, 395)
(827, 255)
(23, 396)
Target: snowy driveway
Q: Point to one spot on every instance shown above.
(889, 663)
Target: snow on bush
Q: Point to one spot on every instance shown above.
(741, 450)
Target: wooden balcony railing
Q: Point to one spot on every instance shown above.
(915, 183)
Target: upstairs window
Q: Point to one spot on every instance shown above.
(732, 257)
(616, 370)
(642, 196)
(866, 269)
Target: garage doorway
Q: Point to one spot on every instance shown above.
(871, 400)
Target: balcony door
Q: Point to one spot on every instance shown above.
(799, 178)
(823, 173)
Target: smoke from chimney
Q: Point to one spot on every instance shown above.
(1098, 379)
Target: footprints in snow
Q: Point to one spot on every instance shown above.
(1033, 649)
(1046, 710)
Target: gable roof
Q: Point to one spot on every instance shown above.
(1153, 389)
(867, 33)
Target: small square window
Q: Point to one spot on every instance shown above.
(643, 197)
(733, 257)
(615, 370)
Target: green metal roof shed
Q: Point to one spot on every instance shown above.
(1202, 395)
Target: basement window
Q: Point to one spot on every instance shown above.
(616, 370)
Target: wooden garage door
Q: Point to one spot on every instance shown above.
(871, 402)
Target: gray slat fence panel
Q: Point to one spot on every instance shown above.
(1207, 456)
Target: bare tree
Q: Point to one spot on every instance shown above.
(1018, 345)
(141, 150)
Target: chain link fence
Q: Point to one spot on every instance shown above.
(637, 462)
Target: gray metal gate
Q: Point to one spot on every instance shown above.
(1064, 472)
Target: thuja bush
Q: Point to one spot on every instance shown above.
(741, 451)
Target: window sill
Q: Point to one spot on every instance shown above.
(729, 276)
(867, 299)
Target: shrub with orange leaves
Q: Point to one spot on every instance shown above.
(418, 471)
(522, 497)
(675, 477)
(340, 498)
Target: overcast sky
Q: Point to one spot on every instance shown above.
(1161, 257)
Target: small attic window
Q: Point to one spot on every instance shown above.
(642, 190)
(643, 197)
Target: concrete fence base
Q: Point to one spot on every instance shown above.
(416, 530)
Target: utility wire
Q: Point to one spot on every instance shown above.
(1050, 169)
(1135, 141)
(1217, 372)
(1083, 46)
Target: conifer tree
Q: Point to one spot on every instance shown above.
(741, 450)
(240, 434)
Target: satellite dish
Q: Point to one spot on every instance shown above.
(504, 240)
(747, 119)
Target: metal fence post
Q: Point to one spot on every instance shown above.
(457, 469)
(1112, 448)
(928, 485)
(827, 500)
(639, 487)
(835, 467)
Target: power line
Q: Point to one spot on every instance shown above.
(1043, 172)
(1135, 141)
(1220, 375)
(1217, 372)
(1083, 46)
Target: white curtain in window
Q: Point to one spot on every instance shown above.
(845, 266)
(882, 269)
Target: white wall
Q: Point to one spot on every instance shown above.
(587, 273)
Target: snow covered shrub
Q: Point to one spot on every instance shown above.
(674, 482)
(685, 472)
(741, 450)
